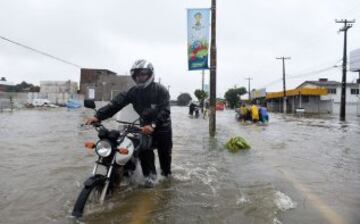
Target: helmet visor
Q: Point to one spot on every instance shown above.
(141, 72)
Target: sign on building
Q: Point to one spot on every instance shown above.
(91, 93)
(258, 93)
(355, 60)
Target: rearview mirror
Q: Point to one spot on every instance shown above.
(89, 104)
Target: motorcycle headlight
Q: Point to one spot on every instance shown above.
(103, 148)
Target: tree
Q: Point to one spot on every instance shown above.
(183, 99)
(233, 96)
(26, 87)
(200, 94)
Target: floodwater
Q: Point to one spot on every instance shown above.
(299, 170)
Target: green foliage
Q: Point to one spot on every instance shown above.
(26, 87)
(183, 99)
(200, 94)
(237, 143)
(233, 96)
(220, 100)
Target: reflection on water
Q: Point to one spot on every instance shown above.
(299, 170)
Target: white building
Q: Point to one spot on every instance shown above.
(58, 92)
(334, 94)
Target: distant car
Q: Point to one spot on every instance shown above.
(40, 102)
(220, 106)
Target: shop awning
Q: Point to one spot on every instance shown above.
(298, 92)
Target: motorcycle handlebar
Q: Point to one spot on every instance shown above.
(129, 123)
(133, 129)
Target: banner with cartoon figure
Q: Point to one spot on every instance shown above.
(198, 38)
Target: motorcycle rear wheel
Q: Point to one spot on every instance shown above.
(89, 195)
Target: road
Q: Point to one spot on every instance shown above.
(298, 170)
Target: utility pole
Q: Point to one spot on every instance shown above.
(202, 88)
(347, 25)
(202, 79)
(212, 118)
(249, 88)
(284, 84)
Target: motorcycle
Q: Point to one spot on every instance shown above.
(118, 152)
(194, 110)
(197, 112)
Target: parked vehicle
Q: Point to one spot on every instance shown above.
(40, 102)
(197, 112)
(194, 110)
(117, 151)
(220, 106)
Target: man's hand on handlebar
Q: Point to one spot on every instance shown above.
(91, 120)
(147, 130)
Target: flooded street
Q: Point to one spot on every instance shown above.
(299, 170)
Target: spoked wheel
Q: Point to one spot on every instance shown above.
(89, 197)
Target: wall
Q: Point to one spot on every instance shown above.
(107, 87)
(313, 105)
(351, 108)
(21, 99)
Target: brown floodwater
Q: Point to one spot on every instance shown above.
(298, 170)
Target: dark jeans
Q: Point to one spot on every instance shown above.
(162, 139)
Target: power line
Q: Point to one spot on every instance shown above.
(311, 73)
(40, 52)
(303, 74)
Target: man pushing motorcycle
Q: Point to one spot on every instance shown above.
(151, 101)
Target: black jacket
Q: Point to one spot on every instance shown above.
(151, 103)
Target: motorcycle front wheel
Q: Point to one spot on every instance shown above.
(89, 195)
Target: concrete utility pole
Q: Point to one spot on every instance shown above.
(202, 88)
(212, 118)
(202, 79)
(284, 84)
(249, 87)
(347, 25)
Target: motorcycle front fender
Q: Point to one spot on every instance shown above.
(98, 178)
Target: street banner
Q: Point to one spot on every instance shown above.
(198, 22)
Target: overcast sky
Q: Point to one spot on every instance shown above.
(111, 34)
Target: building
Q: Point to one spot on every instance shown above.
(304, 99)
(258, 96)
(58, 92)
(334, 94)
(58, 87)
(103, 84)
(6, 86)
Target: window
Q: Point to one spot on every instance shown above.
(354, 91)
(305, 99)
(332, 91)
